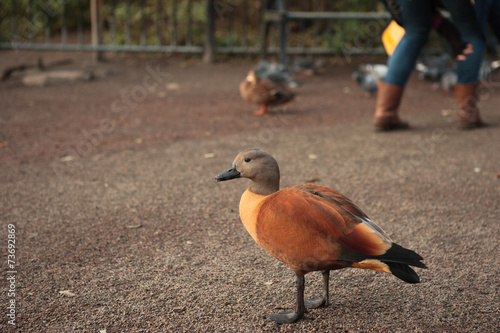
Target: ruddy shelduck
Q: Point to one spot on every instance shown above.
(312, 228)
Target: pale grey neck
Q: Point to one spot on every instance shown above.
(266, 186)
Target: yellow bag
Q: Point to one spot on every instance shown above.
(391, 36)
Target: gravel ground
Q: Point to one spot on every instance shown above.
(121, 227)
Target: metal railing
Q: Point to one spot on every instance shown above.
(276, 12)
(184, 26)
(96, 25)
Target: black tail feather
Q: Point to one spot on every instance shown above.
(399, 255)
(397, 258)
(404, 272)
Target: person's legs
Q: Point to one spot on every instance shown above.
(417, 21)
(494, 18)
(463, 15)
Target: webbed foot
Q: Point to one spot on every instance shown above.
(315, 302)
(262, 111)
(285, 317)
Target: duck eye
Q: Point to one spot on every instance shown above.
(248, 159)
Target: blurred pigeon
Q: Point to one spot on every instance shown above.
(431, 68)
(378, 71)
(368, 75)
(488, 68)
(448, 80)
(305, 66)
(450, 77)
(275, 72)
(366, 81)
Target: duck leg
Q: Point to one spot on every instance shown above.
(261, 111)
(322, 300)
(291, 316)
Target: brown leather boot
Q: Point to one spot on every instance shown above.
(468, 112)
(386, 114)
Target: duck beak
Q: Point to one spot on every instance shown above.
(231, 173)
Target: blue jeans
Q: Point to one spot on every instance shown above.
(417, 22)
(488, 12)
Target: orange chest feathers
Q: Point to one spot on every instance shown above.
(284, 237)
(250, 204)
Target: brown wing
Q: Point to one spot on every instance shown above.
(344, 206)
(309, 232)
(276, 93)
(265, 92)
(332, 196)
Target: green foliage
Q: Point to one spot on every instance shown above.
(156, 14)
(32, 17)
(183, 22)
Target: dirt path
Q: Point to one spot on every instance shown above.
(120, 225)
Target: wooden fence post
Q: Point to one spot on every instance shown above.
(209, 52)
(96, 26)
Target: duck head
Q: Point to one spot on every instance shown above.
(252, 76)
(258, 166)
